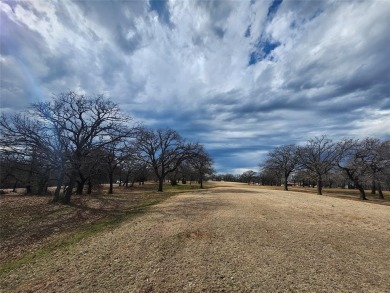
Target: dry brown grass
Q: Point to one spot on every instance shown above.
(352, 194)
(229, 239)
(29, 222)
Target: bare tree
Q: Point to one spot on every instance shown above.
(319, 156)
(186, 173)
(65, 131)
(89, 124)
(134, 170)
(378, 159)
(228, 177)
(248, 176)
(284, 159)
(384, 174)
(113, 155)
(352, 161)
(163, 150)
(35, 143)
(202, 163)
(364, 159)
(269, 175)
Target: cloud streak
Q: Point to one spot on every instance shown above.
(239, 76)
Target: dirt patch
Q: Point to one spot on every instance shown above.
(226, 240)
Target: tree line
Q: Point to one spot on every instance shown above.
(348, 163)
(74, 141)
(351, 163)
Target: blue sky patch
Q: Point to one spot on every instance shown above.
(160, 6)
(268, 47)
(274, 8)
(262, 50)
(248, 32)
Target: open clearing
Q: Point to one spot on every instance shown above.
(227, 239)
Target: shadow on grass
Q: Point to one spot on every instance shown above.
(32, 223)
(350, 194)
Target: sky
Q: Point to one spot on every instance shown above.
(240, 77)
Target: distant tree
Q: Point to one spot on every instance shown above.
(228, 177)
(202, 163)
(134, 171)
(269, 175)
(93, 172)
(284, 159)
(186, 173)
(304, 177)
(248, 176)
(164, 150)
(319, 156)
(114, 154)
(131, 169)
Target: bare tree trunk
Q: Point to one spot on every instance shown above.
(80, 184)
(60, 181)
(285, 183)
(14, 188)
(380, 193)
(160, 184)
(373, 187)
(132, 182)
(111, 178)
(319, 185)
(69, 190)
(80, 187)
(361, 191)
(126, 181)
(41, 186)
(28, 189)
(89, 191)
(201, 181)
(355, 180)
(29, 184)
(173, 181)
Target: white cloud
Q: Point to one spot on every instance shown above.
(192, 73)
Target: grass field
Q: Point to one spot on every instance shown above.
(227, 238)
(31, 225)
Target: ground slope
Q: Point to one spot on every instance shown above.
(230, 239)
